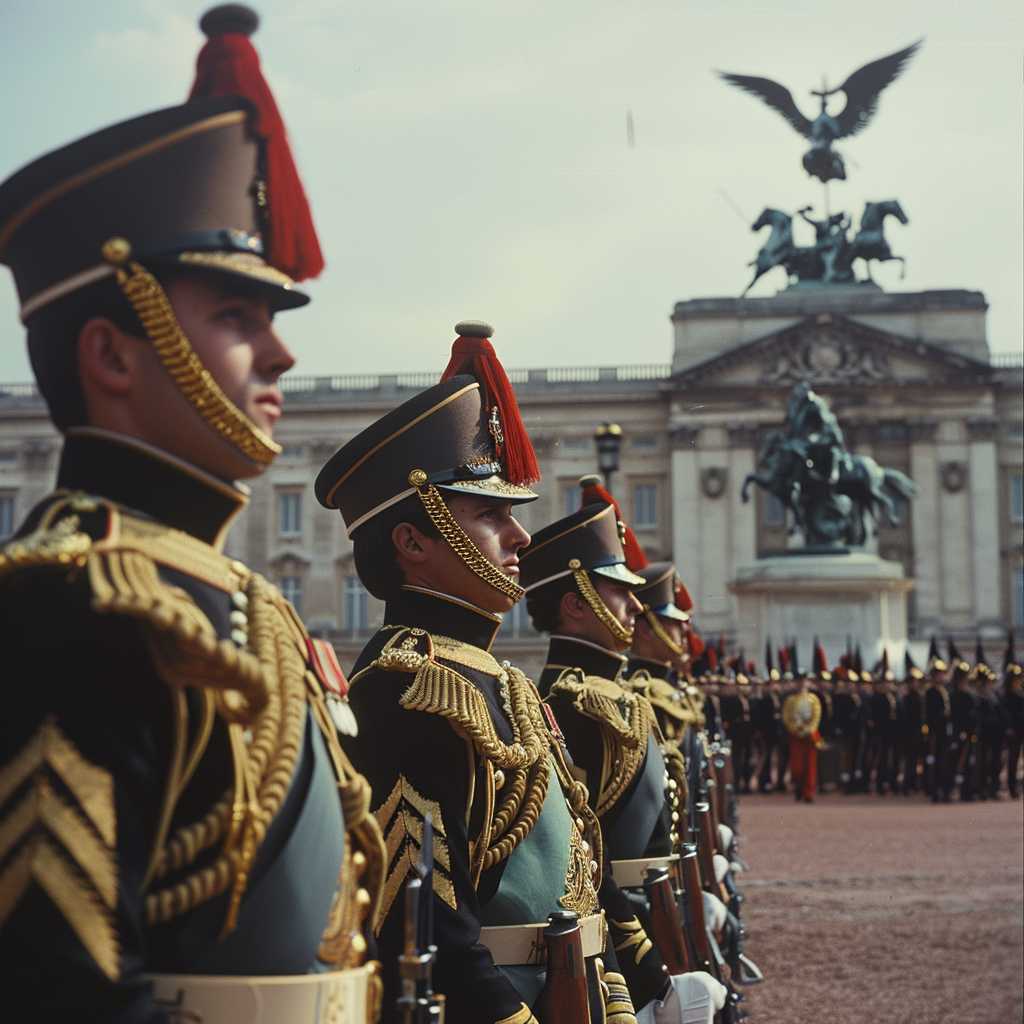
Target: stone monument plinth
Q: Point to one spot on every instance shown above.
(837, 597)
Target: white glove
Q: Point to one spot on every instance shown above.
(736, 867)
(725, 836)
(694, 998)
(721, 866)
(714, 911)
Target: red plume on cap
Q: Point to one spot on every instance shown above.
(592, 491)
(712, 658)
(697, 645)
(820, 661)
(683, 600)
(473, 353)
(784, 659)
(228, 65)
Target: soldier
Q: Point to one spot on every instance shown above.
(658, 639)
(828, 757)
(913, 731)
(581, 592)
(738, 722)
(940, 759)
(964, 712)
(171, 777)
(427, 494)
(992, 726)
(801, 714)
(884, 726)
(846, 716)
(1013, 704)
(767, 714)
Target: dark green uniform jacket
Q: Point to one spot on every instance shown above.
(446, 730)
(154, 688)
(611, 736)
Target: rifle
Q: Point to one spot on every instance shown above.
(666, 924)
(418, 1003)
(707, 956)
(706, 846)
(565, 996)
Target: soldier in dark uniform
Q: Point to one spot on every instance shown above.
(964, 713)
(181, 828)
(913, 733)
(940, 767)
(846, 718)
(582, 593)
(828, 756)
(767, 715)
(659, 639)
(739, 724)
(992, 725)
(1013, 705)
(884, 721)
(427, 494)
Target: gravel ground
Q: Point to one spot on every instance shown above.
(865, 909)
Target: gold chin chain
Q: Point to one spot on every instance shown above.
(659, 631)
(597, 606)
(459, 541)
(179, 359)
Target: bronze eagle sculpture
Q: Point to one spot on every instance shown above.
(862, 89)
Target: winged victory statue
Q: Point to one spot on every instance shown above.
(862, 89)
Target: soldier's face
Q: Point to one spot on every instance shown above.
(497, 534)
(232, 332)
(621, 602)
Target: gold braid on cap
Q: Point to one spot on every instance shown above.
(659, 631)
(459, 541)
(597, 606)
(179, 359)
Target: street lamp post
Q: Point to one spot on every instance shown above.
(608, 439)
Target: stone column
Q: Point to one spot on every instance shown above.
(983, 469)
(954, 540)
(715, 529)
(924, 508)
(742, 448)
(686, 541)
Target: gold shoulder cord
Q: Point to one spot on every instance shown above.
(589, 593)
(626, 720)
(193, 380)
(659, 631)
(459, 541)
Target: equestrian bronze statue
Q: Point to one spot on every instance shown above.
(829, 491)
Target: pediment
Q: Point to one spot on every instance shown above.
(829, 349)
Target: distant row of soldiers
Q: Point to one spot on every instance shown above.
(952, 729)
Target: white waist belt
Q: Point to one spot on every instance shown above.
(629, 874)
(335, 997)
(516, 944)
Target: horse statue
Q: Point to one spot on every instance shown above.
(831, 492)
(800, 262)
(869, 243)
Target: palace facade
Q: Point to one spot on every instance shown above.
(909, 376)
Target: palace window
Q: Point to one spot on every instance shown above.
(291, 587)
(644, 442)
(571, 498)
(1017, 497)
(645, 506)
(289, 513)
(6, 515)
(356, 606)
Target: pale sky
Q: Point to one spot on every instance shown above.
(470, 160)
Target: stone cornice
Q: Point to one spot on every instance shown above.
(982, 429)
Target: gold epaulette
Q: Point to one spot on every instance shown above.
(517, 774)
(662, 694)
(438, 689)
(626, 720)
